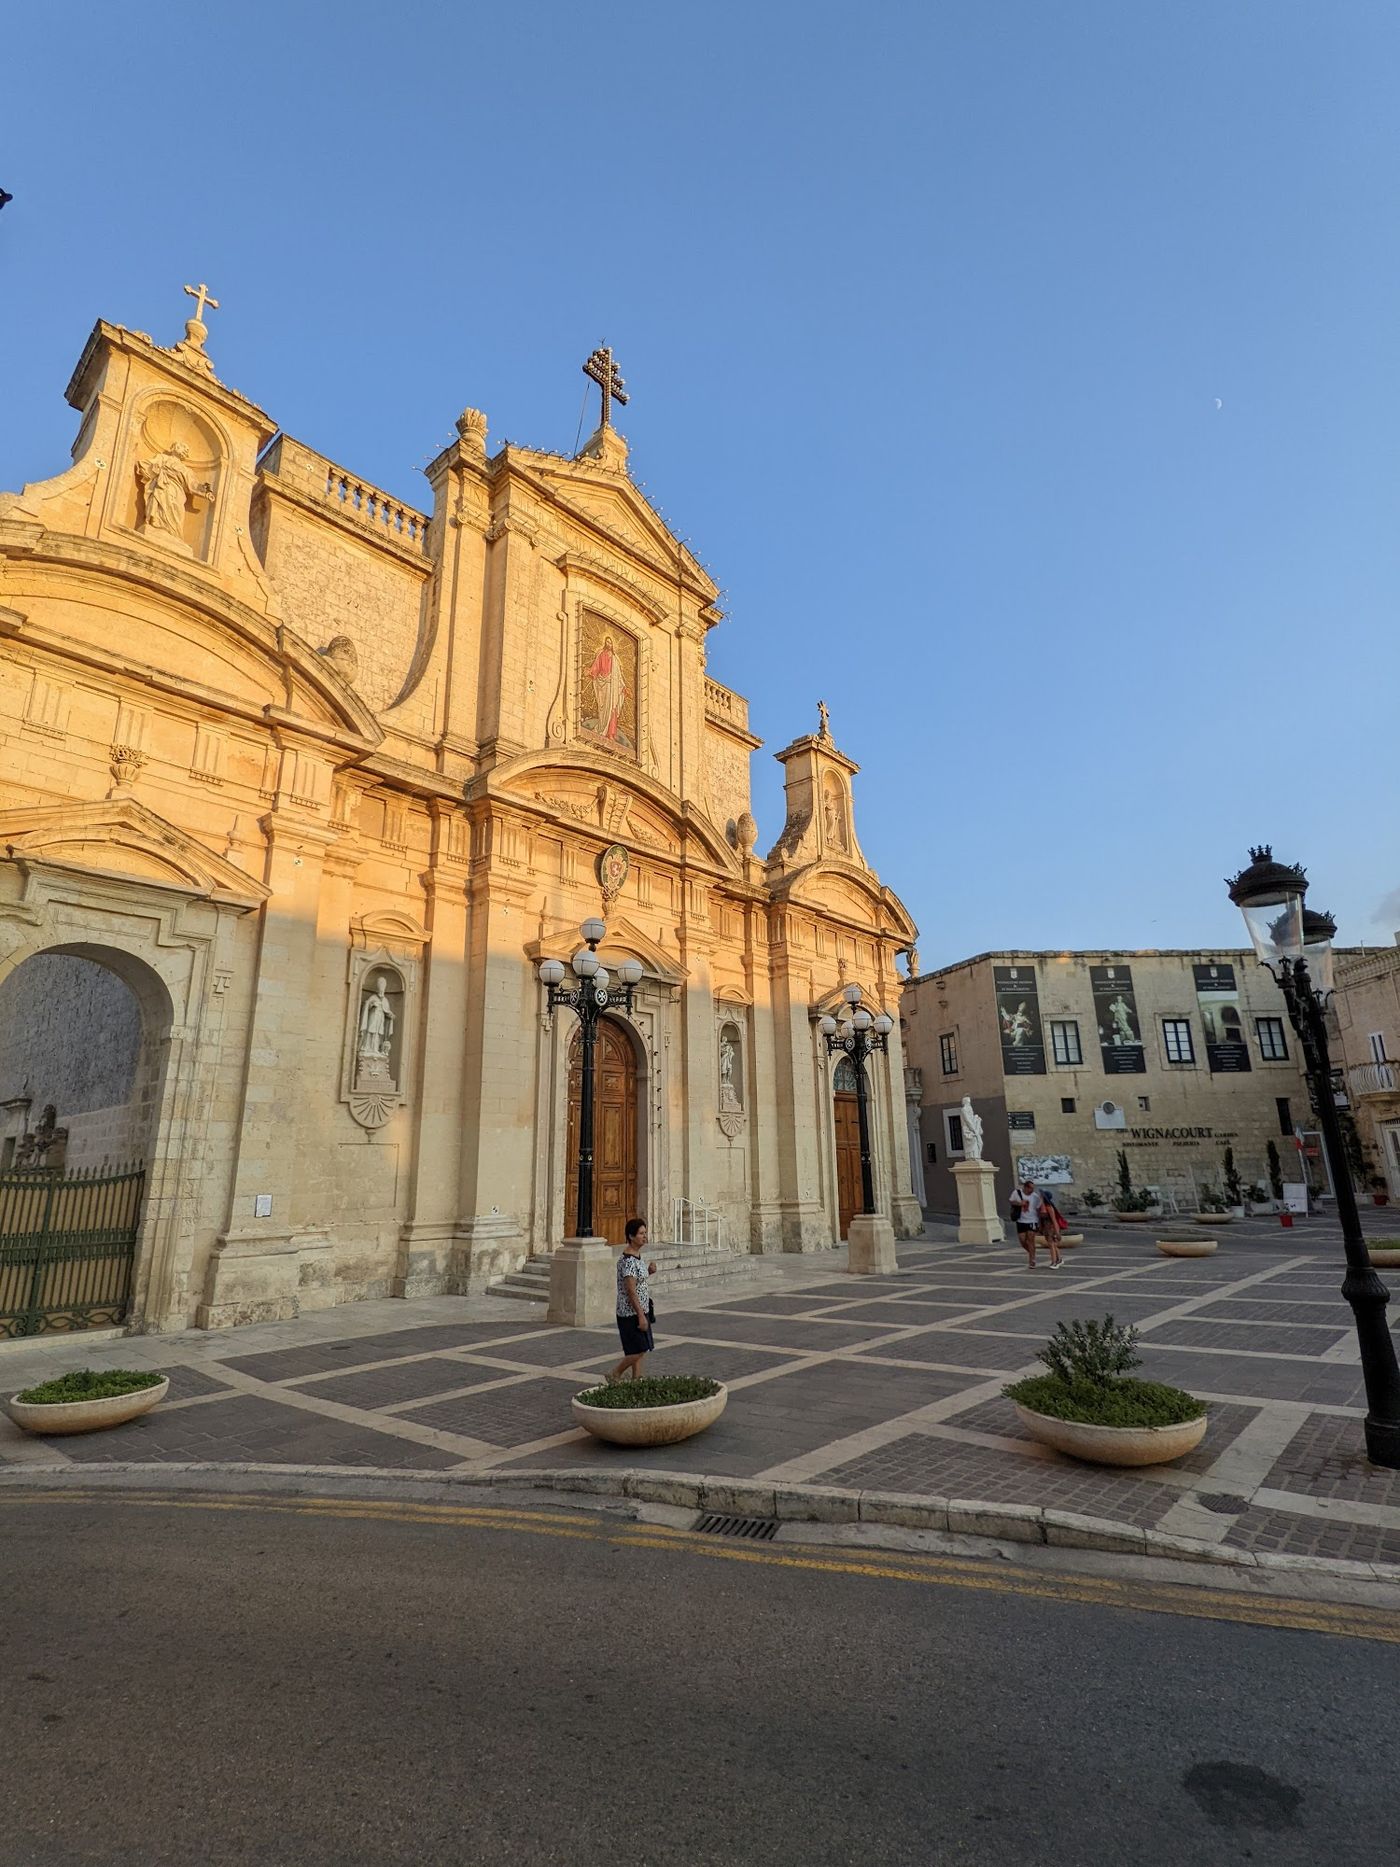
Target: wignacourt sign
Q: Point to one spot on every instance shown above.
(1183, 1134)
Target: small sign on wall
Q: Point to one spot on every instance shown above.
(1295, 1196)
(1047, 1169)
(262, 1205)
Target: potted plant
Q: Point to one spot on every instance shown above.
(1257, 1200)
(657, 1410)
(1131, 1203)
(1385, 1253)
(1234, 1187)
(1380, 1192)
(1214, 1210)
(1093, 1199)
(88, 1400)
(1089, 1405)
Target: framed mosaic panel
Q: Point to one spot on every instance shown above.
(608, 683)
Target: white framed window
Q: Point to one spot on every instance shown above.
(1064, 1042)
(1377, 1042)
(948, 1052)
(1273, 1046)
(1176, 1040)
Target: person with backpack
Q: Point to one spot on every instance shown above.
(1027, 1211)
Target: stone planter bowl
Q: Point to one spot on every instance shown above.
(1385, 1254)
(1135, 1218)
(85, 1416)
(1211, 1218)
(650, 1426)
(1114, 1445)
(1068, 1240)
(1187, 1247)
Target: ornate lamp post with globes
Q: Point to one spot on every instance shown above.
(1296, 947)
(581, 1270)
(860, 1035)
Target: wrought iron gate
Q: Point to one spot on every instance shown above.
(67, 1248)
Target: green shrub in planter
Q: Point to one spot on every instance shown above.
(1088, 1381)
(88, 1384)
(662, 1390)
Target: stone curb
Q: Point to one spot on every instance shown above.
(789, 1503)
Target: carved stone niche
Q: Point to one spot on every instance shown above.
(380, 1009)
(175, 458)
(730, 1067)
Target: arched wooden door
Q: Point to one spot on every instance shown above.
(846, 1111)
(614, 1133)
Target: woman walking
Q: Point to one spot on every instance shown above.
(1052, 1223)
(635, 1311)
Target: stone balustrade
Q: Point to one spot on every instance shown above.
(724, 705)
(368, 508)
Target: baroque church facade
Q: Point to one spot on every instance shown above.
(304, 784)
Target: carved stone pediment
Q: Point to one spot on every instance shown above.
(118, 836)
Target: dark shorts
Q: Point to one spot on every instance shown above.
(1023, 1232)
(635, 1339)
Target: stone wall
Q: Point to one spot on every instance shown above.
(70, 1034)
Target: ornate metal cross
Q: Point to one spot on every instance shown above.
(603, 370)
(201, 294)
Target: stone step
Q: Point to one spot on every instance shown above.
(678, 1267)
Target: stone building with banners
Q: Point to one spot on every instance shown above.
(300, 785)
(1070, 1057)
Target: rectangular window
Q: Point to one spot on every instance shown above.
(1144, 1103)
(1176, 1036)
(1285, 1115)
(1064, 1039)
(933, 1152)
(1272, 1047)
(1066, 1105)
(952, 1125)
(1377, 1043)
(948, 1052)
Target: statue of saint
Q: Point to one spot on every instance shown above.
(169, 486)
(825, 718)
(728, 1058)
(835, 821)
(376, 1021)
(971, 1130)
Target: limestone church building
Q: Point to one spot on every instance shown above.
(300, 785)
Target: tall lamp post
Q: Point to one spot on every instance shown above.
(860, 1035)
(589, 993)
(580, 1285)
(1296, 947)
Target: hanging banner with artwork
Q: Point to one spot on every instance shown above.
(1219, 999)
(1018, 1014)
(1115, 1010)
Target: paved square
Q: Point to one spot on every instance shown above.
(878, 1382)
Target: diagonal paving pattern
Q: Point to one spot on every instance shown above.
(864, 1383)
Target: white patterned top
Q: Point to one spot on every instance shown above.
(629, 1265)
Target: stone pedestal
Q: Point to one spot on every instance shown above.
(979, 1222)
(583, 1283)
(870, 1245)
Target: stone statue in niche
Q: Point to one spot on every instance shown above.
(168, 487)
(835, 819)
(728, 1070)
(971, 1130)
(376, 1035)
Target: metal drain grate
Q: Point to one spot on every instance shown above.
(754, 1529)
(1222, 1502)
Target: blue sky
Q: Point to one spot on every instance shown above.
(1026, 375)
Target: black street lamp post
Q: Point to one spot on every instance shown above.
(1288, 941)
(859, 1035)
(589, 993)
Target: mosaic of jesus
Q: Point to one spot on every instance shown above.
(608, 700)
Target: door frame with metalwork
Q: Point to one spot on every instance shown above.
(68, 1248)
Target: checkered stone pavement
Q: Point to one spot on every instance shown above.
(889, 1383)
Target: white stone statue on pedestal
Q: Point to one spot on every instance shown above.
(971, 1131)
(376, 1034)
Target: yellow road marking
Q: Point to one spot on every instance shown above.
(1341, 1619)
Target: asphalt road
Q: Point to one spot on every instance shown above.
(195, 1682)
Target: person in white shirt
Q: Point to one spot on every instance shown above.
(1028, 1210)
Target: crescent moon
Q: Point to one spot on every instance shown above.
(1219, 403)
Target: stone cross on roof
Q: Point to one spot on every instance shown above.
(200, 293)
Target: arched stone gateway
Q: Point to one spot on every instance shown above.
(84, 1041)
